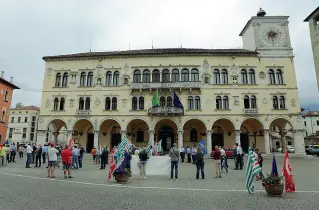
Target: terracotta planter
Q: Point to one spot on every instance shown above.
(121, 178)
(275, 189)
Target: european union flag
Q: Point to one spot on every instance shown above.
(274, 170)
(177, 102)
(6, 142)
(202, 145)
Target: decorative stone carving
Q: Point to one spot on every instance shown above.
(124, 102)
(293, 102)
(96, 124)
(126, 79)
(69, 121)
(47, 103)
(98, 81)
(262, 75)
(123, 119)
(97, 101)
(73, 79)
(208, 101)
(71, 102)
(236, 100)
(205, 64)
(126, 67)
(264, 100)
(40, 119)
(206, 78)
(234, 75)
(49, 72)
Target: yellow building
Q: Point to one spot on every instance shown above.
(229, 95)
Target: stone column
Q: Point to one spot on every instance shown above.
(123, 134)
(299, 142)
(237, 137)
(208, 142)
(180, 138)
(69, 135)
(151, 136)
(96, 138)
(41, 137)
(266, 139)
(55, 136)
(283, 141)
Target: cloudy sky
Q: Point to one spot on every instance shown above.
(32, 29)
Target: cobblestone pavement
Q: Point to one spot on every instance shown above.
(22, 188)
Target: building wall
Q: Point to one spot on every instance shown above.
(4, 106)
(314, 35)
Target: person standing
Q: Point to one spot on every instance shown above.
(143, 160)
(53, 158)
(174, 155)
(38, 156)
(194, 154)
(200, 163)
(182, 153)
(3, 154)
(223, 159)
(239, 157)
(94, 154)
(13, 150)
(20, 150)
(81, 155)
(29, 156)
(128, 158)
(44, 153)
(104, 157)
(34, 149)
(66, 161)
(189, 153)
(75, 157)
(217, 156)
(260, 162)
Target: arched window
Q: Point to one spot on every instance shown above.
(141, 103)
(225, 102)
(169, 101)
(218, 102)
(137, 76)
(108, 81)
(81, 104)
(165, 75)
(246, 102)
(3, 117)
(134, 103)
(175, 75)
(116, 78)
(244, 78)
(271, 75)
(82, 79)
(114, 103)
(275, 102)
(87, 103)
(56, 104)
(90, 79)
(185, 75)
(193, 135)
(279, 77)
(190, 102)
(252, 78)
(194, 75)
(162, 101)
(282, 102)
(224, 76)
(197, 102)
(58, 80)
(65, 79)
(107, 103)
(253, 102)
(216, 76)
(62, 102)
(156, 75)
(6, 96)
(146, 76)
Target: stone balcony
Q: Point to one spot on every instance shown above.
(165, 111)
(173, 85)
(83, 112)
(251, 112)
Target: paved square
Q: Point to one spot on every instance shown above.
(22, 188)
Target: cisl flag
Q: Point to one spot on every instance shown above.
(71, 143)
(289, 179)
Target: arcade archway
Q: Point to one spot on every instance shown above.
(281, 132)
(83, 134)
(110, 133)
(138, 132)
(252, 134)
(166, 130)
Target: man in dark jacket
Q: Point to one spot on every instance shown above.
(33, 153)
(143, 159)
(81, 155)
(38, 156)
(104, 157)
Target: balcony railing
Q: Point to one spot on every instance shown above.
(251, 111)
(160, 85)
(83, 112)
(164, 111)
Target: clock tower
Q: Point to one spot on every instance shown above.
(268, 35)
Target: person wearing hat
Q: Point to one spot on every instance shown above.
(53, 158)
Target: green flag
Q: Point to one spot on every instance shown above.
(155, 99)
(252, 170)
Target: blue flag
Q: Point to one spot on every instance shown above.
(177, 102)
(6, 142)
(202, 145)
(274, 170)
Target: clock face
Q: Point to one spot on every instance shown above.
(272, 36)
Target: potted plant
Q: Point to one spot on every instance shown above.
(273, 185)
(121, 175)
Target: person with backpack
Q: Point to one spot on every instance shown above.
(200, 163)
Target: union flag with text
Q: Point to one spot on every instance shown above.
(287, 172)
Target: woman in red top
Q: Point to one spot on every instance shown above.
(66, 160)
(217, 155)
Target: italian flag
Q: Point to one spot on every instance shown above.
(155, 99)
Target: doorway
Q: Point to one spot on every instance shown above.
(244, 142)
(115, 139)
(166, 134)
(217, 140)
(90, 142)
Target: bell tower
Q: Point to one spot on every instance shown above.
(268, 35)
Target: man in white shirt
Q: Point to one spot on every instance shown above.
(53, 160)
(75, 157)
(224, 163)
(239, 157)
(29, 156)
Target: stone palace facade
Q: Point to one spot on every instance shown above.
(245, 95)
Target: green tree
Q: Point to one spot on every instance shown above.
(19, 105)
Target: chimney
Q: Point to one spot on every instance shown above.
(2, 74)
(11, 79)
